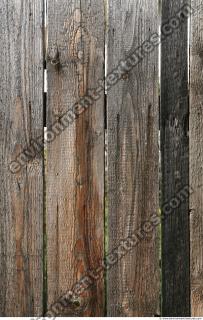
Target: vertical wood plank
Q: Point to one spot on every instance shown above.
(21, 121)
(75, 159)
(175, 165)
(133, 157)
(196, 158)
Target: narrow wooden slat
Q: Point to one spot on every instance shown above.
(21, 120)
(175, 166)
(196, 158)
(133, 157)
(75, 159)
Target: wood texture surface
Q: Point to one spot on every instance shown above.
(133, 157)
(175, 165)
(75, 159)
(196, 158)
(21, 120)
(38, 266)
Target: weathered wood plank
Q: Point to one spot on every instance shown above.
(75, 159)
(175, 165)
(133, 156)
(196, 158)
(21, 120)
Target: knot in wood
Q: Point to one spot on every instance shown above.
(53, 54)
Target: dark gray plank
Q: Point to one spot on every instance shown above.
(75, 159)
(175, 165)
(21, 120)
(132, 119)
(196, 158)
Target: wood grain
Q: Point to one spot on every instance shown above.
(175, 165)
(133, 157)
(75, 160)
(196, 158)
(21, 120)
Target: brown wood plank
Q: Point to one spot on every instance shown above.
(75, 159)
(21, 120)
(175, 164)
(196, 158)
(133, 157)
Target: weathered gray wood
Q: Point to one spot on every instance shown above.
(75, 159)
(175, 166)
(196, 158)
(132, 115)
(21, 119)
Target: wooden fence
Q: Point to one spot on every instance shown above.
(124, 236)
